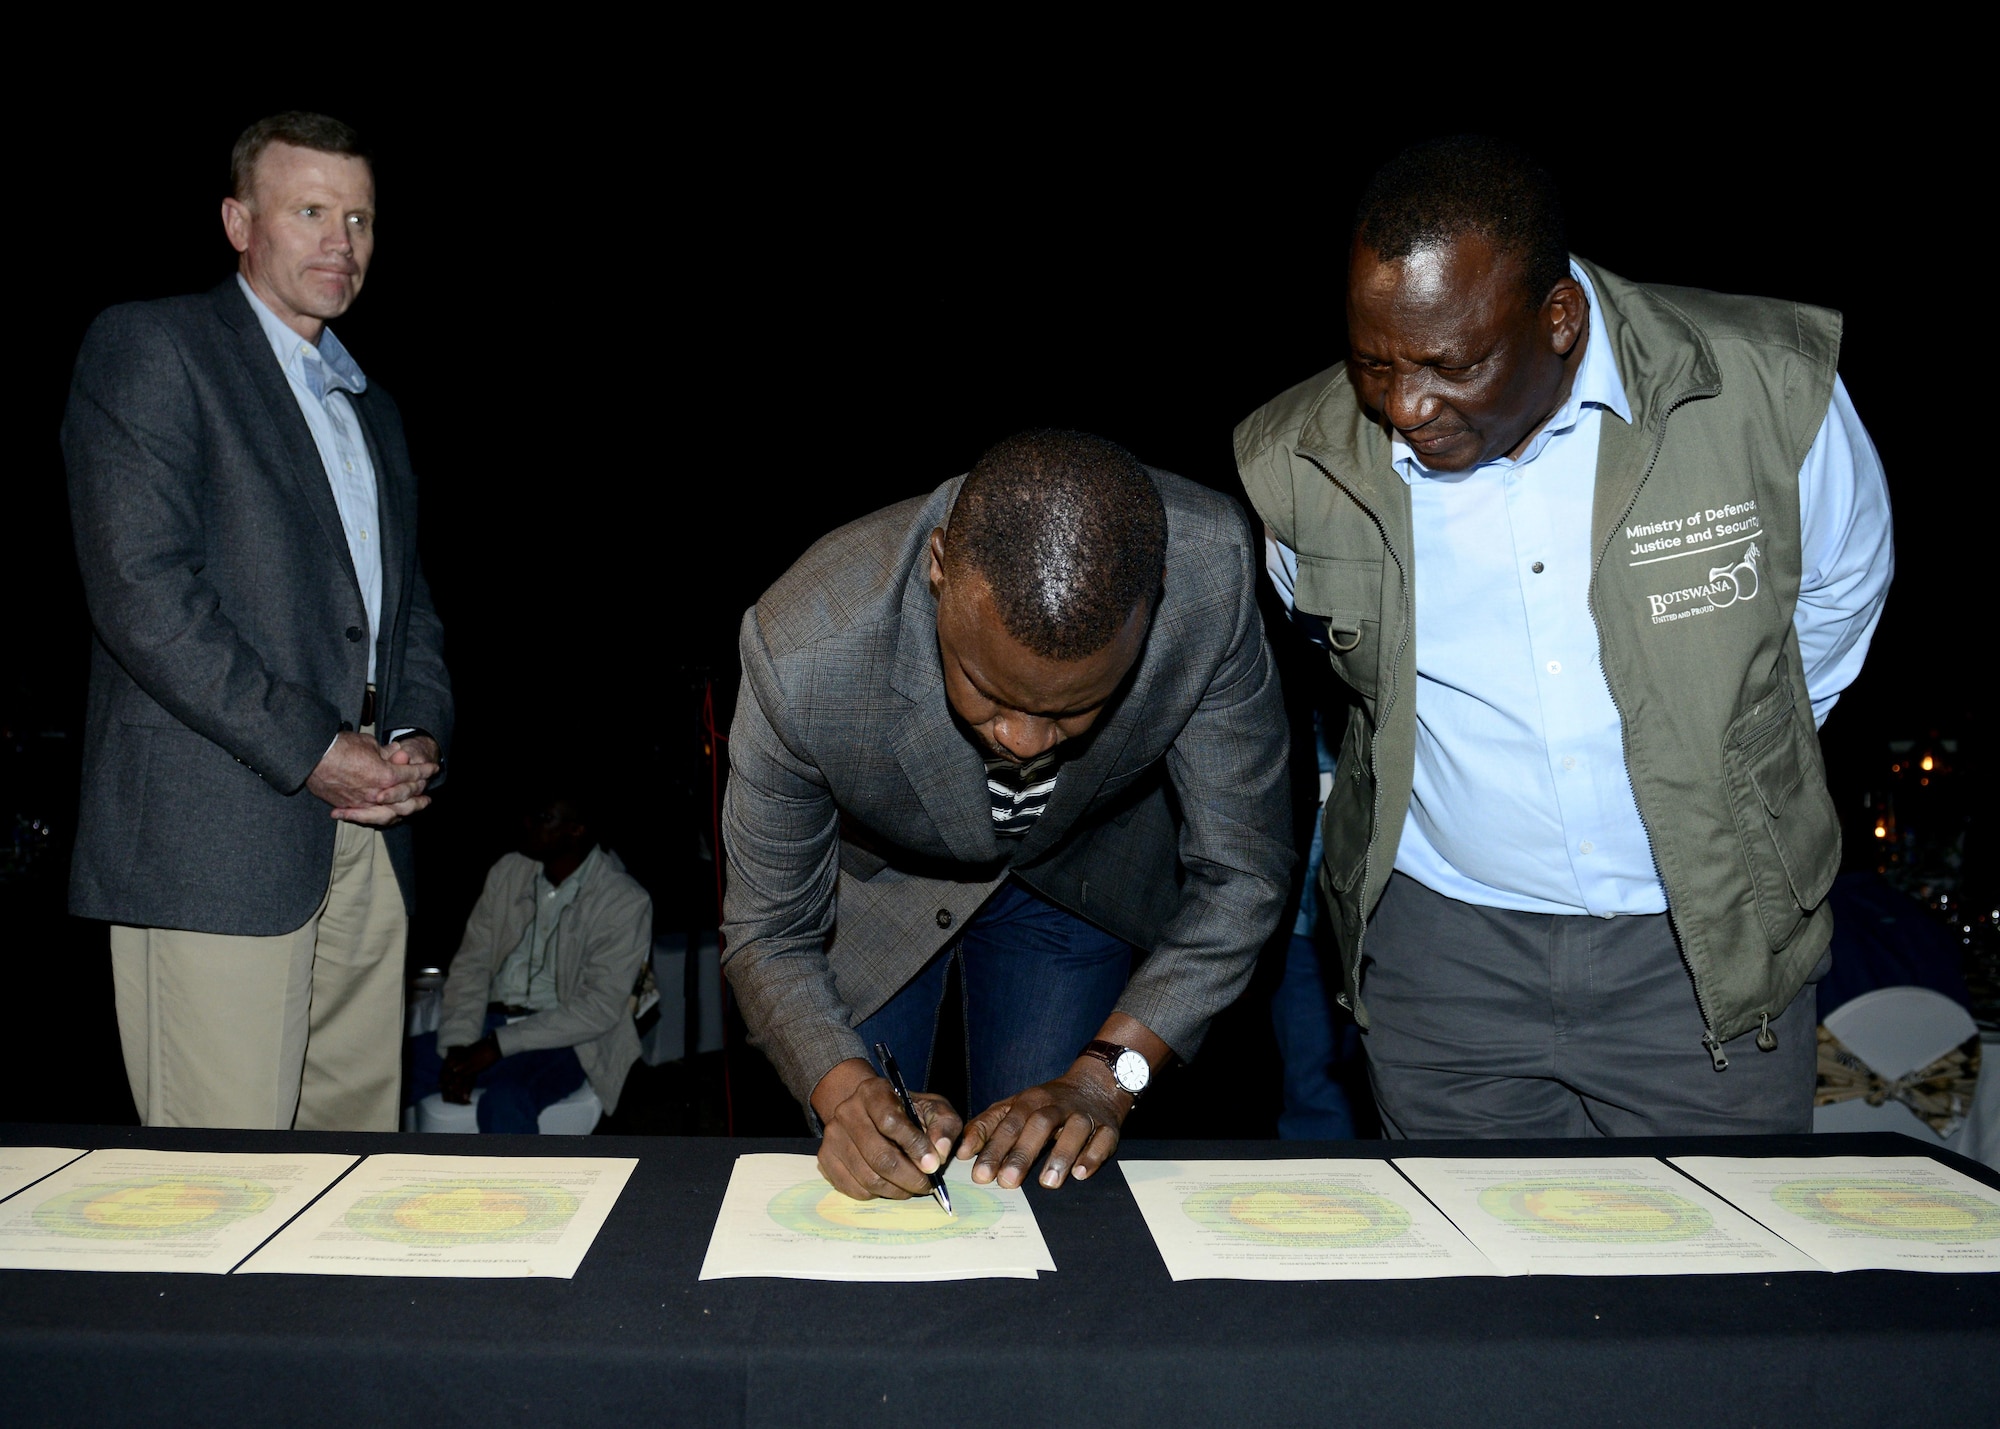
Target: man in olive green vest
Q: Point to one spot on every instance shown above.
(1593, 559)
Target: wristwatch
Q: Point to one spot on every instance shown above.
(1128, 1068)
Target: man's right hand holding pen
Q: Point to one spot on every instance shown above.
(870, 1149)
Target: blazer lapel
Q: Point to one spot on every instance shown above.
(300, 451)
(941, 764)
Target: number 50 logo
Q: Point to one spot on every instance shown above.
(1741, 579)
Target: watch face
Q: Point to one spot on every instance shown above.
(1131, 1071)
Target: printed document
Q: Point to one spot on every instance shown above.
(1295, 1220)
(453, 1216)
(1605, 1215)
(197, 1211)
(1864, 1212)
(22, 1166)
(781, 1218)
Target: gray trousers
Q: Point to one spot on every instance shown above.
(1490, 1023)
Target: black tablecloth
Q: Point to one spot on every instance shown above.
(636, 1339)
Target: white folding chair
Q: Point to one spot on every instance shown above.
(1896, 1031)
(575, 1115)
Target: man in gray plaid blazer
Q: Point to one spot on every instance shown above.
(1029, 724)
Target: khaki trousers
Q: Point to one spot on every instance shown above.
(300, 1030)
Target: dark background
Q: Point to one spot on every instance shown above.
(648, 354)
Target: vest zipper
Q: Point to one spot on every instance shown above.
(1709, 1041)
(1409, 624)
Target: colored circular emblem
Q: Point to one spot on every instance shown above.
(1617, 1212)
(149, 1209)
(1894, 1209)
(814, 1208)
(1306, 1214)
(455, 1213)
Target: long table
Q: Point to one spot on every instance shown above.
(636, 1339)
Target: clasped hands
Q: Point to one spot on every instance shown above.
(462, 1066)
(870, 1149)
(370, 783)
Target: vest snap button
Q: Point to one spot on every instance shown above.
(1536, 568)
(944, 917)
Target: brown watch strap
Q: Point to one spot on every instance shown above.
(1108, 1053)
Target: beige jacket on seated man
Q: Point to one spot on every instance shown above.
(601, 942)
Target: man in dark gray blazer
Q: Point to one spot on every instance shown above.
(1027, 724)
(268, 696)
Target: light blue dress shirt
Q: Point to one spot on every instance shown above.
(321, 378)
(1521, 797)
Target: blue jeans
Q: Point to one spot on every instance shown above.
(1314, 1038)
(1314, 1035)
(517, 1087)
(1038, 983)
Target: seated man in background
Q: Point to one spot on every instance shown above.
(1028, 723)
(538, 996)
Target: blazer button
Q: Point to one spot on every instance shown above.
(353, 632)
(944, 917)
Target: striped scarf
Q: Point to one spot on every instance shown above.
(1020, 791)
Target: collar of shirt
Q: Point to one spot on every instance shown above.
(329, 367)
(1597, 385)
(561, 895)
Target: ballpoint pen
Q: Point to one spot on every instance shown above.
(888, 1061)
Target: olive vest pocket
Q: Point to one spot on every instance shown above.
(1354, 646)
(1344, 596)
(1784, 815)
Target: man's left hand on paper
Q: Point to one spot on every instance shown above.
(1077, 1117)
(1079, 1110)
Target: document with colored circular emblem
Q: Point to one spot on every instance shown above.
(1333, 1219)
(470, 1216)
(1864, 1212)
(195, 1211)
(1605, 1215)
(781, 1218)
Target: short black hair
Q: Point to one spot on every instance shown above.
(571, 795)
(1068, 531)
(1434, 192)
(295, 127)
